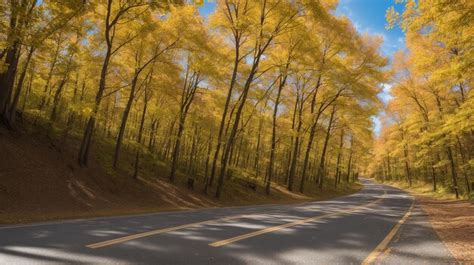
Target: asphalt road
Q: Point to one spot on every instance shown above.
(379, 224)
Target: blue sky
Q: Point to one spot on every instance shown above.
(367, 16)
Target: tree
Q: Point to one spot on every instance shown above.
(433, 89)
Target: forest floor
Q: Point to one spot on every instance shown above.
(452, 219)
(40, 181)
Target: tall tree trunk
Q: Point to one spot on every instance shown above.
(88, 132)
(226, 109)
(433, 174)
(453, 171)
(321, 168)
(123, 124)
(7, 79)
(187, 96)
(274, 125)
(72, 113)
(407, 167)
(338, 162)
(19, 18)
(176, 149)
(28, 91)
(47, 86)
(16, 97)
(206, 170)
(349, 163)
(151, 142)
(140, 134)
(295, 152)
(235, 126)
(239, 151)
(110, 27)
(308, 151)
(292, 138)
(313, 126)
(194, 151)
(57, 95)
(463, 159)
(448, 148)
(256, 165)
(167, 140)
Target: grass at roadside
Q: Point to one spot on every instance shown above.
(426, 189)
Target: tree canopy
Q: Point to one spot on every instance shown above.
(428, 126)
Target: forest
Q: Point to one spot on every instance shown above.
(428, 132)
(271, 92)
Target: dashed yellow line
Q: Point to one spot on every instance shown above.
(294, 223)
(158, 231)
(383, 245)
(227, 241)
(268, 230)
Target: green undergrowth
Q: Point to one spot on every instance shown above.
(443, 192)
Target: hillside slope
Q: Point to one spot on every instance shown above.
(39, 180)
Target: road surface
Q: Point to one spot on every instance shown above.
(379, 225)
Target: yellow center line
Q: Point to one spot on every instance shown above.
(158, 231)
(383, 245)
(175, 228)
(294, 223)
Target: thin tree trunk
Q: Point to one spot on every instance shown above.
(140, 133)
(57, 95)
(274, 125)
(256, 165)
(463, 159)
(292, 138)
(338, 162)
(16, 97)
(313, 125)
(47, 86)
(189, 90)
(235, 126)
(294, 158)
(349, 163)
(176, 149)
(28, 92)
(123, 124)
(453, 171)
(88, 132)
(226, 109)
(208, 156)
(151, 143)
(321, 173)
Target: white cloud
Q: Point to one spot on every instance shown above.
(377, 125)
(385, 94)
(387, 87)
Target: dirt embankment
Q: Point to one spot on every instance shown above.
(453, 220)
(40, 180)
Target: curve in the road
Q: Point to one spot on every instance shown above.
(371, 226)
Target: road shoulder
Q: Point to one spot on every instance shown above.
(416, 242)
(453, 222)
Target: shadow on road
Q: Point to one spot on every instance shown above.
(341, 239)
